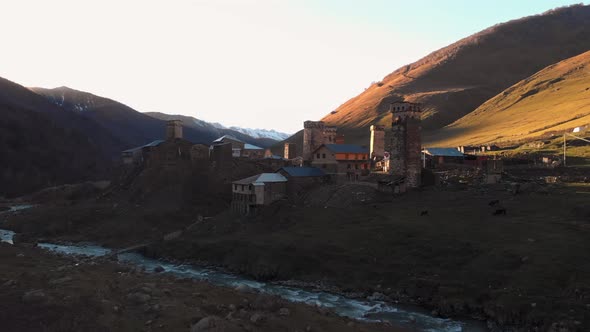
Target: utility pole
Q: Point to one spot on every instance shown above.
(564, 163)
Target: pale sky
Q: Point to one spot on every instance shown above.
(249, 63)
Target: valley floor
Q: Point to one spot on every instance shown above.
(528, 268)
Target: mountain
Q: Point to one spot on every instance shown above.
(553, 100)
(262, 133)
(135, 128)
(261, 137)
(42, 144)
(457, 79)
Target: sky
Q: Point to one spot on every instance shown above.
(251, 63)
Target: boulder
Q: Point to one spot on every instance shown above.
(214, 324)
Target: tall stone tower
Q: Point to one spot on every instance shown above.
(173, 129)
(406, 143)
(290, 151)
(316, 133)
(377, 142)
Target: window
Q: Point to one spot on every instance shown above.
(348, 166)
(243, 187)
(317, 156)
(323, 156)
(235, 187)
(250, 187)
(356, 166)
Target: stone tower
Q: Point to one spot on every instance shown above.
(330, 135)
(406, 143)
(315, 133)
(290, 151)
(377, 142)
(173, 129)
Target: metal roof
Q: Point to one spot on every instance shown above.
(443, 152)
(220, 139)
(154, 143)
(346, 148)
(303, 171)
(262, 178)
(252, 147)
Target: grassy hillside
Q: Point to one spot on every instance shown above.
(555, 99)
(457, 79)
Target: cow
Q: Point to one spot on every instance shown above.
(499, 212)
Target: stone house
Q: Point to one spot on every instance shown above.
(302, 178)
(135, 156)
(439, 156)
(241, 148)
(343, 161)
(252, 193)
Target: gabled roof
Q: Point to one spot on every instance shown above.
(443, 152)
(262, 178)
(154, 143)
(346, 148)
(303, 171)
(220, 139)
(252, 147)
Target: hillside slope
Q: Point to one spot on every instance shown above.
(42, 144)
(552, 100)
(457, 79)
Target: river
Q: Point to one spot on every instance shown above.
(366, 310)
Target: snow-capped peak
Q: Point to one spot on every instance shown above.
(262, 133)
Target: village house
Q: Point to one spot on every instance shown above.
(435, 157)
(241, 148)
(135, 155)
(169, 152)
(342, 160)
(302, 178)
(250, 194)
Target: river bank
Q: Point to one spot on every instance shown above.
(40, 291)
(526, 269)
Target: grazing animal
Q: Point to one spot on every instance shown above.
(499, 212)
(424, 213)
(494, 202)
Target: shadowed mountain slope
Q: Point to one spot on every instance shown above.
(553, 100)
(42, 144)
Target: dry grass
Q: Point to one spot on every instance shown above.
(553, 100)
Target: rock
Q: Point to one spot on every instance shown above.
(214, 324)
(244, 288)
(159, 269)
(9, 283)
(257, 318)
(138, 298)
(145, 290)
(265, 302)
(60, 281)
(232, 307)
(284, 312)
(34, 296)
(377, 297)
